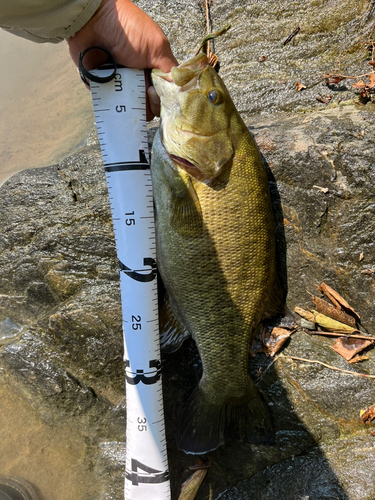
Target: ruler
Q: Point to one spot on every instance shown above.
(120, 114)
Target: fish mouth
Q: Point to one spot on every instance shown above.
(190, 168)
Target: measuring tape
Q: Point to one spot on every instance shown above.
(120, 114)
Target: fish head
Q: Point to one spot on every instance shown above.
(196, 112)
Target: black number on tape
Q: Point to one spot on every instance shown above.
(147, 378)
(139, 276)
(149, 475)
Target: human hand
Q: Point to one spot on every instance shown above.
(133, 39)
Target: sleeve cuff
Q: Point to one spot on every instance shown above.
(50, 26)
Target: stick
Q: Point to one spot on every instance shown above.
(327, 366)
(333, 334)
(208, 26)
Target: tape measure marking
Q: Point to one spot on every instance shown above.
(120, 113)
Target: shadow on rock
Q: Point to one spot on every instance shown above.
(294, 468)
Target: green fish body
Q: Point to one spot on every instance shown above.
(215, 248)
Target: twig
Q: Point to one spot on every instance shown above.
(208, 25)
(332, 334)
(349, 77)
(327, 366)
(291, 36)
(266, 370)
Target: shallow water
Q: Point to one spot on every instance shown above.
(52, 458)
(45, 110)
(45, 114)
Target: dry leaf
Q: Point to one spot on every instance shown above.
(357, 359)
(331, 324)
(372, 63)
(331, 311)
(275, 340)
(300, 86)
(332, 79)
(361, 257)
(348, 348)
(372, 80)
(337, 300)
(365, 94)
(368, 414)
(324, 99)
(190, 487)
(359, 85)
(305, 314)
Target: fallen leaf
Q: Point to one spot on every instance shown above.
(305, 314)
(300, 86)
(333, 80)
(372, 80)
(365, 94)
(333, 312)
(361, 257)
(373, 433)
(359, 85)
(337, 300)
(348, 348)
(190, 487)
(372, 63)
(275, 339)
(357, 359)
(324, 99)
(331, 324)
(368, 414)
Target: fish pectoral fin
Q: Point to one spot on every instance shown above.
(186, 210)
(172, 333)
(205, 424)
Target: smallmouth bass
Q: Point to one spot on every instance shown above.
(216, 251)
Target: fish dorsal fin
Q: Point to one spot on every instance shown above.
(172, 333)
(186, 209)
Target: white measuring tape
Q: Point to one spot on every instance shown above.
(120, 114)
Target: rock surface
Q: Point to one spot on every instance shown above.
(60, 320)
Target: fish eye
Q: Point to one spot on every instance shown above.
(213, 96)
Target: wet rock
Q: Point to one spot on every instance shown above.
(9, 329)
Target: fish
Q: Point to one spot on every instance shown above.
(215, 241)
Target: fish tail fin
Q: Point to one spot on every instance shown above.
(206, 425)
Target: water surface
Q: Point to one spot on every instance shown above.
(45, 110)
(53, 458)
